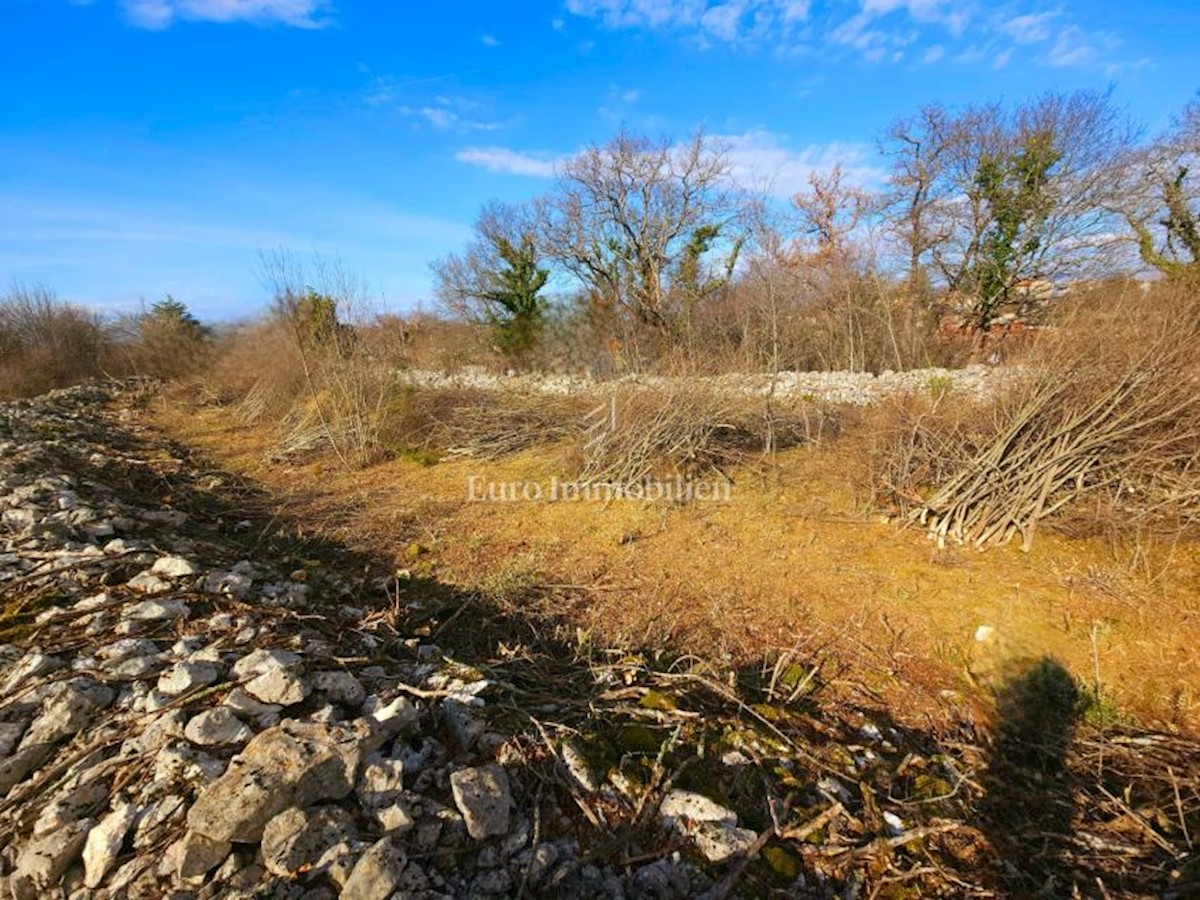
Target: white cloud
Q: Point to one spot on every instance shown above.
(1029, 29)
(159, 14)
(759, 160)
(869, 33)
(762, 160)
(1002, 59)
(490, 40)
(437, 116)
(504, 161)
(1076, 47)
(726, 21)
(933, 54)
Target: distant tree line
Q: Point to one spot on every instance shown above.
(984, 211)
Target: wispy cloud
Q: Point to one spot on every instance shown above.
(877, 31)
(759, 160)
(490, 40)
(450, 114)
(1075, 47)
(763, 160)
(882, 29)
(504, 161)
(443, 111)
(727, 21)
(1031, 28)
(160, 14)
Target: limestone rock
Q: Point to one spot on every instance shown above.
(103, 843)
(289, 765)
(43, 860)
(377, 874)
(173, 567)
(187, 676)
(483, 797)
(297, 839)
(381, 781)
(198, 854)
(279, 686)
(217, 726)
(156, 610)
(341, 687)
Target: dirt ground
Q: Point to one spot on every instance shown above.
(793, 560)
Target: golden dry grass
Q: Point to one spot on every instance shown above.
(792, 559)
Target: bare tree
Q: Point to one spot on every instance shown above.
(1002, 203)
(1158, 195)
(920, 148)
(645, 226)
(830, 213)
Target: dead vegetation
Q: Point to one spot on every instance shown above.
(1105, 407)
(46, 343)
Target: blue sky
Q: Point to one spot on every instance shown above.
(155, 146)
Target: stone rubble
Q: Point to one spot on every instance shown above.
(170, 725)
(853, 388)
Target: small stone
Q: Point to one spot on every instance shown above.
(459, 718)
(260, 661)
(125, 648)
(696, 807)
(42, 862)
(148, 583)
(156, 610)
(245, 705)
(80, 796)
(381, 782)
(180, 763)
(173, 567)
(483, 797)
(217, 726)
(198, 854)
(187, 676)
(76, 704)
(19, 765)
(10, 736)
(233, 584)
(156, 820)
(495, 883)
(103, 843)
(341, 687)
(717, 841)
(297, 839)
(712, 826)
(377, 873)
(393, 818)
(33, 665)
(279, 686)
(663, 879)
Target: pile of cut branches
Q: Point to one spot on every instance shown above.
(1108, 407)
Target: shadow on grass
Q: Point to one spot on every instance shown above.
(1028, 809)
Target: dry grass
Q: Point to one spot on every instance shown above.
(793, 558)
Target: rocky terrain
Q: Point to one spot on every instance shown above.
(853, 388)
(186, 710)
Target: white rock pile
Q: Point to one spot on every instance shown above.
(176, 721)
